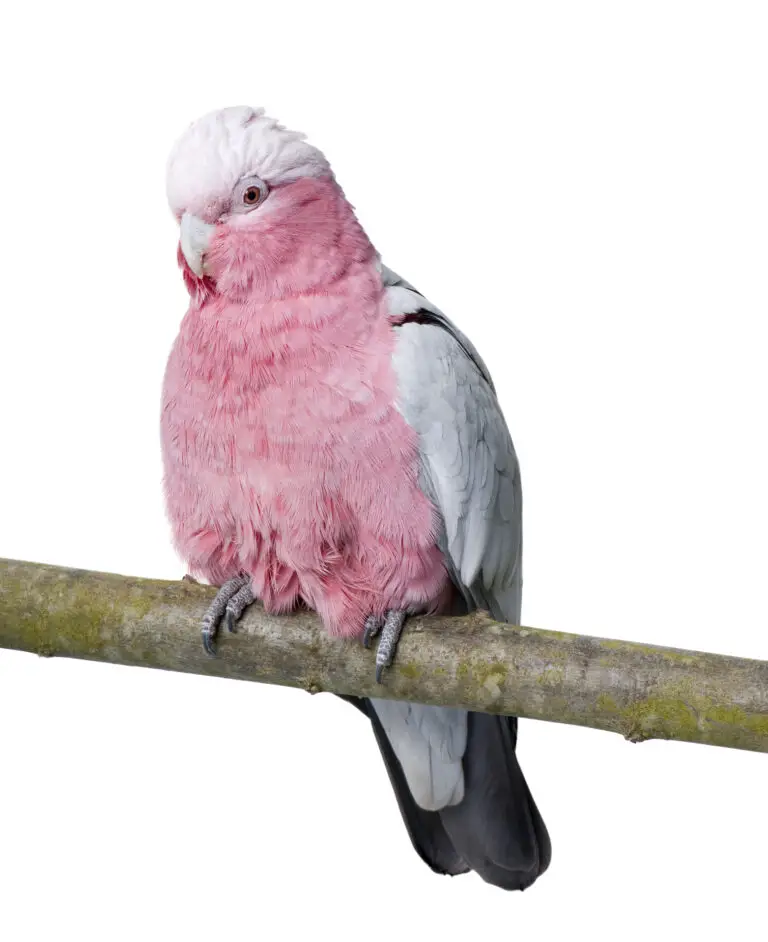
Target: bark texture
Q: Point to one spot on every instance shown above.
(637, 690)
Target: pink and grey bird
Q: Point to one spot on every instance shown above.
(330, 438)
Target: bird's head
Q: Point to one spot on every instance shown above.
(258, 207)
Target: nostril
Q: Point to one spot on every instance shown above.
(212, 210)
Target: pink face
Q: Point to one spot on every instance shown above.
(263, 241)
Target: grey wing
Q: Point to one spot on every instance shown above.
(469, 468)
(472, 806)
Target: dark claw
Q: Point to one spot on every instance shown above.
(229, 617)
(379, 672)
(208, 642)
(372, 628)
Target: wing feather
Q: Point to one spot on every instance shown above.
(469, 471)
(469, 465)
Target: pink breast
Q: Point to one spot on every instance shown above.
(286, 458)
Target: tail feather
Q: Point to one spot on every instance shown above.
(496, 828)
(425, 829)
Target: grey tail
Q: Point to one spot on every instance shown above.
(426, 830)
(496, 829)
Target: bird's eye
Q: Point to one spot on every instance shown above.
(252, 196)
(248, 193)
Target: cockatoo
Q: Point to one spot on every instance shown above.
(330, 438)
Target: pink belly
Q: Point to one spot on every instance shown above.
(316, 504)
(347, 544)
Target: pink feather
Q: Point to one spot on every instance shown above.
(285, 455)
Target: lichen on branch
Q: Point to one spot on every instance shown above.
(638, 690)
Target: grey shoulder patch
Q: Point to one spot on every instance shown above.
(433, 319)
(409, 306)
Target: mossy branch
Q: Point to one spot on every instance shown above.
(637, 690)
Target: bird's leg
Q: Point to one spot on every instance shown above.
(390, 635)
(228, 592)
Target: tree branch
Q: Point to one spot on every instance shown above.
(637, 690)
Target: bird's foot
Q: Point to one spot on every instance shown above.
(231, 601)
(390, 626)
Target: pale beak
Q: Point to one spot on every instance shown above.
(195, 237)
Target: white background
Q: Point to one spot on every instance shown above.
(583, 188)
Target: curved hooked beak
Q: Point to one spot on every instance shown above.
(195, 238)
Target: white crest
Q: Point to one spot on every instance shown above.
(222, 147)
